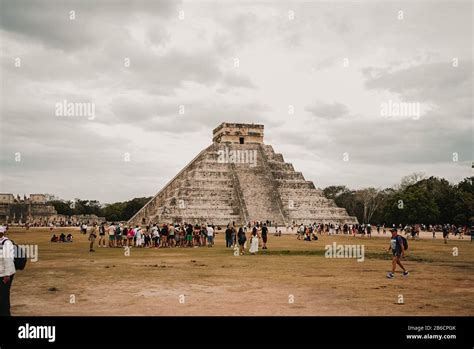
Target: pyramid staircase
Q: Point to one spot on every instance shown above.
(209, 190)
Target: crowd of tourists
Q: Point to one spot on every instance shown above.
(310, 231)
(178, 235)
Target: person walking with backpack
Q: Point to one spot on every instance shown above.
(398, 245)
(7, 271)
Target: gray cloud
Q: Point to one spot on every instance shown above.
(234, 80)
(436, 82)
(189, 62)
(49, 22)
(327, 110)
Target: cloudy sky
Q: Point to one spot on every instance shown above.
(162, 74)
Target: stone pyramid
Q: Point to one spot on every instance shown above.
(239, 179)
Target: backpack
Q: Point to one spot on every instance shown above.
(19, 261)
(405, 242)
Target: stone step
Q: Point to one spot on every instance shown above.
(199, 212)
(294, 184)
(278, 175)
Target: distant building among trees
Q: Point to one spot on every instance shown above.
(16, 209)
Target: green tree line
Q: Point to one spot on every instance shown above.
(118, 211)
(416, 200)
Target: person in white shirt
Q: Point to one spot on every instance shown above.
(111, 232)
(7, 271)
(139, 236)
(155, 233)
(210, 236)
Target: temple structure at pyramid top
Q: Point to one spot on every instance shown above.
(238, 133)
(239, 178)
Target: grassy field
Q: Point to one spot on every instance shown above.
(290, 278)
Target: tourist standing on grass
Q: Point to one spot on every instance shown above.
(124, 234)
(92, 237)
(147, 238)
(241, 238)
(417, 231)
(203, 235)
(182, 236)
(196, 235)
(445, 233)
(138, 236)
(307, 235)
(210, 236)
(171, 233)
(253, 241)
(7, 271)
(118, 235)
(155, 235)
(228, 237)
(300, 232)
(234, 235)
(111, 231)
(398, 249)
(178, 234)
(130, 236)
(102, 234)
(164, 236)
(189, 235)
(264, 236)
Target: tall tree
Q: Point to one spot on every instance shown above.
(370, 199)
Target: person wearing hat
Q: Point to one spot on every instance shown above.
(7, 271)
(398, 250)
